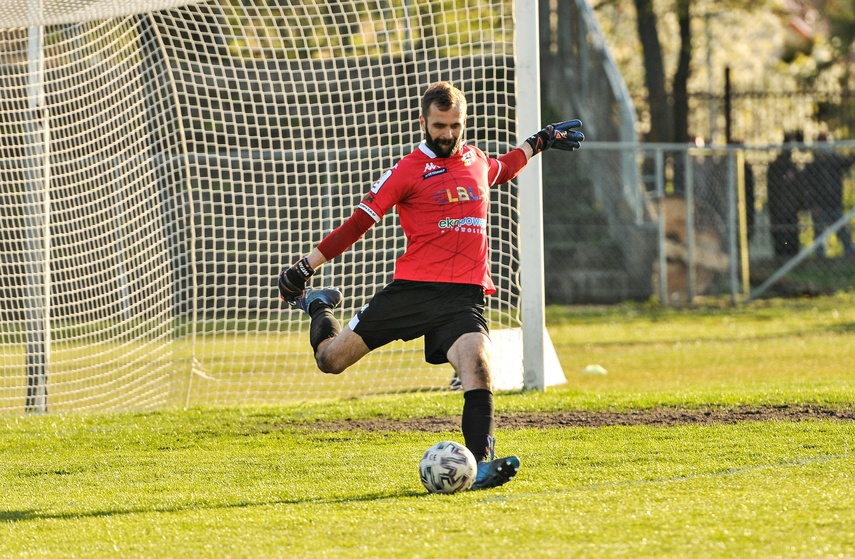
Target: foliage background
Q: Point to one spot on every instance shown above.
(769, 46)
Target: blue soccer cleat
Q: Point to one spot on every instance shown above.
(329, 297)
(496, 471)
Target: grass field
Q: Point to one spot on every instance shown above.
(296, 481)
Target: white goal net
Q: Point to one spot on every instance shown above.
(160, 162)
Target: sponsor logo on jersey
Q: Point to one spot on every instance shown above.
(432, 170)
(468, 224)
(381, 181)
(434, 173)
(459, 194)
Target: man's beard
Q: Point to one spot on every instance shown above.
(443, 148)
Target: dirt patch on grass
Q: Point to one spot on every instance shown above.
(656, 417)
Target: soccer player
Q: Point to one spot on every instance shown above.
(441, 191)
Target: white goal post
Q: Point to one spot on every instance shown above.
(162, 160)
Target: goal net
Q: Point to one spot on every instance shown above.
(162, 161)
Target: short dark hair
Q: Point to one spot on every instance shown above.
(444, 95)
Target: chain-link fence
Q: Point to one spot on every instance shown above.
(676, 222)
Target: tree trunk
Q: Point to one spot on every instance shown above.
(661, 119)
(681, 76)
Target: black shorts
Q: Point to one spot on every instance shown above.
(405, 310)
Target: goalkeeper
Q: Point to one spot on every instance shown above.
(441, 191)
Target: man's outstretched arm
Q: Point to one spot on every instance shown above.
(292, 281)
(559, 136)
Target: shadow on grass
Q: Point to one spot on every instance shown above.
(12, 516)
(845, 328)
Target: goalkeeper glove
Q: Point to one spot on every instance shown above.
(559, 136)
(292, 282)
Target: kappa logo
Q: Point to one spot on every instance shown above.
(432, 170)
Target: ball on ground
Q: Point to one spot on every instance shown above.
(447, 467)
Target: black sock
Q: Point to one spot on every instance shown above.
(477, 421)
(324, 325)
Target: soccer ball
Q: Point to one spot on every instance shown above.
(448, 467)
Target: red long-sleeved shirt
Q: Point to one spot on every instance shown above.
(443, 205)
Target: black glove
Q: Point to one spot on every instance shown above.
(559, 136)
(292, 282)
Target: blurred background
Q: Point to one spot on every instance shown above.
(735, 120)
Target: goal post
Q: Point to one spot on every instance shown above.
(191, 150)
(531, 203)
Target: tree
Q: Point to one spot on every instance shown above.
(669, 114)
(681, 76)
(669, 110)
(820, 43)
(661, 119)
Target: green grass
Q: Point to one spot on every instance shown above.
(273, 482)
(773, 351)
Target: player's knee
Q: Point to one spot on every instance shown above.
(335, 355)
(328, 364)
(477, 377)
(483, 377)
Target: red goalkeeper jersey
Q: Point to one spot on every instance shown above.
(443, 205)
